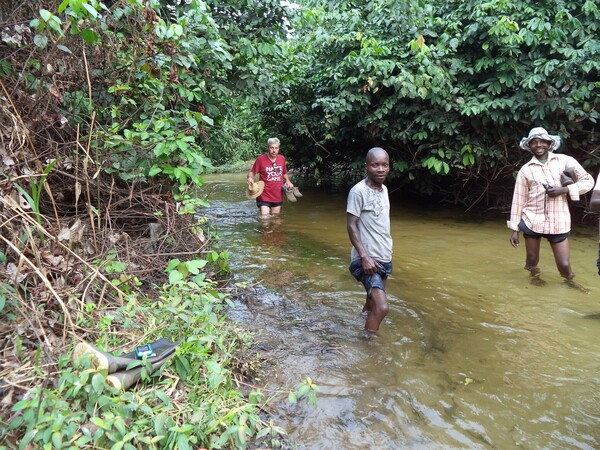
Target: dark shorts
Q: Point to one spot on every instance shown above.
(552, 238)
(269, 204)
(371, 281)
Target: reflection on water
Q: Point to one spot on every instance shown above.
(472, 354)
(271, 232)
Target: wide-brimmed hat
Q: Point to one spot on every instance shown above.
(568, 177)
(255, 189)
(540, 133)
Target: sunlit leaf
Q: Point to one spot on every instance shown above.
(90, 9)
(45, 14)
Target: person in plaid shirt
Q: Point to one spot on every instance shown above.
(540, 207)
(595, 206)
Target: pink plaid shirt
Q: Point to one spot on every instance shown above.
(541, 213)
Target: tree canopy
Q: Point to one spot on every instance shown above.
(448, 87)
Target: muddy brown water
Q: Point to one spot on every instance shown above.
(472, 354)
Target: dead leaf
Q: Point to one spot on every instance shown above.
(89, 247)
(8, 398)
(53, 260)
(64, 234)
(13, 275)
(77, 191)
(77, 230)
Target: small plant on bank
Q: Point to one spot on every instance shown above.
(33, 197)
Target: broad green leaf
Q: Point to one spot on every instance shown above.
(183, 442)
(40, 40)
(175, 276)
(64, 48)
(195, 265)
(89, 36)
(154, 170)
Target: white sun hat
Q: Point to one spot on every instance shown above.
(540, 133)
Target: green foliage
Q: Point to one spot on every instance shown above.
(159, 84)
(179, 271)
(219, 261)
(447, 87)
(306, 388)
(78, 13)
(82, 410)
(239, 137)
(253, 30)
(158, 103)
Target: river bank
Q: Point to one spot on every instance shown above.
(117, 288)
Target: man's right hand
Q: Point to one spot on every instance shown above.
(514, 239)
(556, 191)
(370, 266)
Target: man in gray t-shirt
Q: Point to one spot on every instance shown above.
(368, 223)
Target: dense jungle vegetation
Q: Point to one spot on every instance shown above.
(448, 88)
(110, 113)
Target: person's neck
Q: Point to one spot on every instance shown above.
(374, 185)
(543, 158)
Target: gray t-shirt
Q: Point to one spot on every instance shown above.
(372, 207)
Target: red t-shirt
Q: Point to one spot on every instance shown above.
(272, 174)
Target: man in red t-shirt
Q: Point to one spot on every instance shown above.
(270, 167)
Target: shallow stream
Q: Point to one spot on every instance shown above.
(471, 355)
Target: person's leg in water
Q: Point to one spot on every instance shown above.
(264, 211)
(532, 258)
(376, 306)
(561, 257)
(379, 308)
(368, 305)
